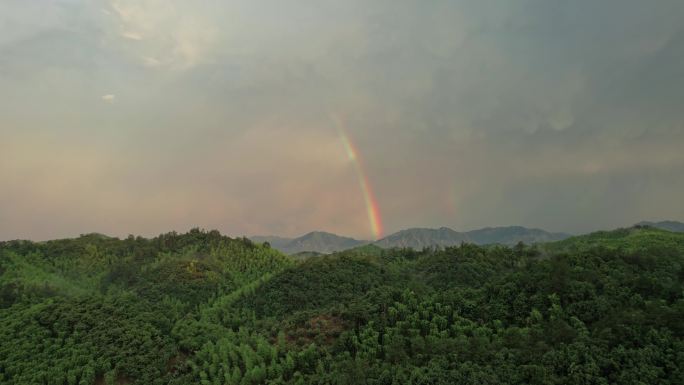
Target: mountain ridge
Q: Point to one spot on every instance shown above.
(421, 237)
(314, 241)
(674, 226)
(415, 238)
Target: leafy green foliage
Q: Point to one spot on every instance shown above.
(69, 341)
(316, 284)
(201, 308)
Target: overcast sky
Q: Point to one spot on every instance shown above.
(146, 116)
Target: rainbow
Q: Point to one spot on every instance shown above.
(372, 207)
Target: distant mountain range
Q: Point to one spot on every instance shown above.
(508, 235)
(674, 226)
(319, 242)
(416, 238)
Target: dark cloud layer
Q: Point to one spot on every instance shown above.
(146, 116)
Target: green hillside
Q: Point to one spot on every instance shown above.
(202, 308)
(639, 239)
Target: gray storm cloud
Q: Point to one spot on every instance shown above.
(148, 116)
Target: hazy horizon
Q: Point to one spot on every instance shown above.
(295, 236)
(357, 118)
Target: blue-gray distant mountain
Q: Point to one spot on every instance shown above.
(675, 226)
(276, 242)
(509, 235)
(419, 238)
(416, 238)
(315, 241)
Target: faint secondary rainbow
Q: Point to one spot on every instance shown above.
(372, 207)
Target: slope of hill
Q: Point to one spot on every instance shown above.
(315, 241)
(201, 308)
(306, 254)
(97, 309)
(276, 242)
(664, 225)
(321, 242)
(508, 235)
(419, 238)
(644, 241)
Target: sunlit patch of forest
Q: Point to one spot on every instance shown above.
(203, 308)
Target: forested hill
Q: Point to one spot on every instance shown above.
(97, 309)
(665, 225)
(201, 308)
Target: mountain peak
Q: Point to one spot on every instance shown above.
(323, 234)
(314, 241)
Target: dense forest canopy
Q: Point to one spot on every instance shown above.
(203, 308)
